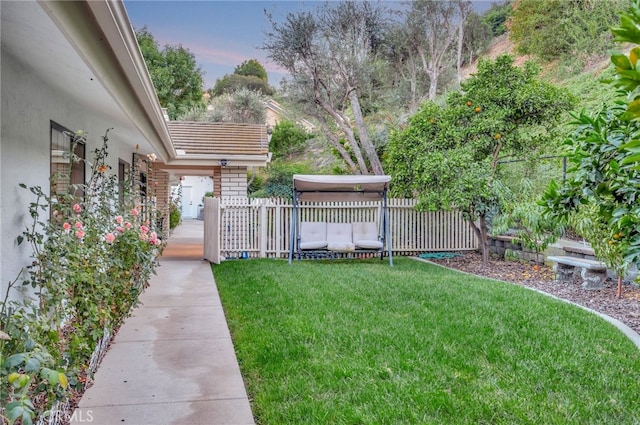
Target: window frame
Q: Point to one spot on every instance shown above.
(77, 172)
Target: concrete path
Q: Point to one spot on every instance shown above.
(172, 361)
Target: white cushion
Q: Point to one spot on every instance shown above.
(339, 232)
(313, 235)
(341, 246)
(339, 237)
(313, 245)
(365, 235)
(368, 244)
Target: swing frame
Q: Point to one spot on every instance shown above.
(342, 188)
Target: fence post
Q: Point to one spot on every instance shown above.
(280, 244)
(212, 229)
(264, 225)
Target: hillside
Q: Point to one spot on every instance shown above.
(500, 45)
(586, 85)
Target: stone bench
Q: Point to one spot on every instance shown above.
(593, 273)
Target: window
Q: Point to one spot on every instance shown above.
(67, 170)
(123, 175)
(140, 179)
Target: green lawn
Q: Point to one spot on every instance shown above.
(359, 342)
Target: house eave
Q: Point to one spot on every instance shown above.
(221, 160)
(102, 35)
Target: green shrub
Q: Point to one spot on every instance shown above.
(92, 259)
(555, 29)
(287, 138)
(496, 17)
(279, 181)
(174, 216)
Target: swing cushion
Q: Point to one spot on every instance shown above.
(313, 235)
(339, 237)
(365, 235)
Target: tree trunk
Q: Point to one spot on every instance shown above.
(343, 124)
(412, 66)
(464, 8)
(333, 139)
(363, 132)
(433, 84)
(619, 291)
(460, 45)
(481, 233)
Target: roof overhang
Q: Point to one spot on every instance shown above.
(88, 51)
(318, 188)
(101, 33)
(223, 160)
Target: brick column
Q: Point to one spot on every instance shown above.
(233, 182)
(235, 229)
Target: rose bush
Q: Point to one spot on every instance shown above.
(92, 257)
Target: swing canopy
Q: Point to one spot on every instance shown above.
(319, 188)
(333, 238)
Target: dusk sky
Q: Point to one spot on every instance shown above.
(221, 34)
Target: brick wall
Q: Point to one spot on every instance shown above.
(233, 182)
(160, 191)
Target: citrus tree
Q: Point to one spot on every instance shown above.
(605, 153)
(448, 156)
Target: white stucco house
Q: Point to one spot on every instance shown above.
(76, 65)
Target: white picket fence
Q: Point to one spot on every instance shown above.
(259, 228)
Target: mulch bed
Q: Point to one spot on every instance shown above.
(540, 277)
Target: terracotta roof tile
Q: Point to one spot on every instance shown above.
(212, 138)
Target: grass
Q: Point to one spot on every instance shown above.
(359, 342)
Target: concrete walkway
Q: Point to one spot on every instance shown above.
(172, 361)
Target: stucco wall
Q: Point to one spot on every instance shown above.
(193, 190)
(28, 106)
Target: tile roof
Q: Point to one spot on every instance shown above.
(214, 138)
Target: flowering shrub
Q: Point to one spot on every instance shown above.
(92, 258)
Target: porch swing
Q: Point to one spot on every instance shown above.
(323, 239)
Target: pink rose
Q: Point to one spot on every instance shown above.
(110, 237)
(79, 234)
(127, 225)
(144, 229)
(144, 237)
(135, 212)
(78, 225)
(119, 219)
(77, 208)
(153, 238)
(120, 229)
(66, 226)
(146, 223)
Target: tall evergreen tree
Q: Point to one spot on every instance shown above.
(176, 76)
